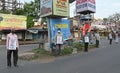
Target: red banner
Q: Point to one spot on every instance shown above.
(85, 28)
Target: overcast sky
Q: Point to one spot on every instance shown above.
(104, 8)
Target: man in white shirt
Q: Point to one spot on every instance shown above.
(12, 47)
(59, 41)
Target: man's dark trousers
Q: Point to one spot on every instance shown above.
(86, 47)
(97, 43)
(110, 41)
(15, 57)
(58, 49)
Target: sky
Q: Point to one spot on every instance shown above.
(104, 8)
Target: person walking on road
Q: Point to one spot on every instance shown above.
(110, 37)
(97, 37)
(12, 46)
(116, 37)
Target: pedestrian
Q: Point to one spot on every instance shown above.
(97, 38)
(110, 37)
(86, 42)
(116, 37)
(59, 41)
(12, 46)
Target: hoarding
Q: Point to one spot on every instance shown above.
(73, 9)
(45, 8)
(61, 7)
(85, 5)
(63, 24)
(13, 21)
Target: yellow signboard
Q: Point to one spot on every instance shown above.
(61, 25)
(61, 7)
(13, 21)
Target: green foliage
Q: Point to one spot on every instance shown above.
(105, 19)
(92, 46)
(41, 53)
(20, 11)
(29, 8)
(30, 22)
(67, 50)
(5, 12)
(78, 45)
(43, 20)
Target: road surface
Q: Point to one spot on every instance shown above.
(105, 59)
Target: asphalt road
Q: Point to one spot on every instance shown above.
(105, 59)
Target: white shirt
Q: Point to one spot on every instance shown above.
(59, 39)
(110, 36)
(97, 36)
(86, 39)
(12, 41)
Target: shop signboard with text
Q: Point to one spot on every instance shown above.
(51, 8)
(61, 7)
(85, 5)
(9, 21)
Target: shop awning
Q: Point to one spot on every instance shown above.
(36, 30)
(70, 1)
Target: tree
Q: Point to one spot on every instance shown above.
(115, 18)
(30, 22)
(31, 10)
(20, 11)
(105, 20)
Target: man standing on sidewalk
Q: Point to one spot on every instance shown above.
(86, 42)
(59, 41)
(12, 47)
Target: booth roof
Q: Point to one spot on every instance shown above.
(15, 30)
(36, 30)
(71, 1)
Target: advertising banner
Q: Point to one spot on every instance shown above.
(73, 9)
(13, 21)
(63, 24)
(61, 7)
(45, 8)
(85, 5)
